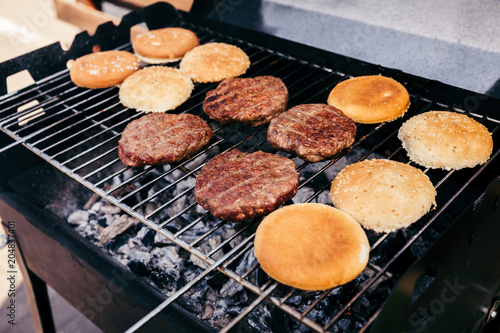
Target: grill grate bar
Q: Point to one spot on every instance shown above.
(185, 176)
(91, 117)
(93, 160)
(189, 226)
(63, 102)
(295, 314)
(186, 287)
(249, 309)
(316, 79)
(25, 138)
(89, 150)
(170, 171)
(14, 118)
(408, 244)
(208, 233)
(105, 166)
(23, 101)
(90, 138)
(177, 197)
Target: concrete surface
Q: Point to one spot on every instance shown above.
(456, 42)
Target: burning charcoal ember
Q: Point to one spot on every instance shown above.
(120, 225)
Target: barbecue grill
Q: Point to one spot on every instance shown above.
(439, 273)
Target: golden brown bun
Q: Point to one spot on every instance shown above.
(311, 246)
(214, 62)
(103, 69)
(156, 89)
(370, 99)
(383, 195)
(164, 45)
(447, 140)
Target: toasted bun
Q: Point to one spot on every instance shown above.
(156, 89)
(447, 140)
(214, 62)
(311, 246)
(370, 99)
(383, 195)
(103, 69)
(164, 45)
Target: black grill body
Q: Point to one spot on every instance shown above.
(72, 138)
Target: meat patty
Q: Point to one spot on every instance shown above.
(314, 132)
(236, 186)
(253, 101)
(160, 138)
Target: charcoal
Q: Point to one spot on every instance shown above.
(218, 299)
(109, 209)
(166, 279)
(295, 300)
(78, 217)
(138, 267)
(149, 237)
(102, 222)
(217, 281)
(119, 226)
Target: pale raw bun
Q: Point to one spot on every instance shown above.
(103, 69)
(311, 246)
(164, 45)
(370, 99)
(383, 195)
(446, 140)
(156, 89)
(214, 62)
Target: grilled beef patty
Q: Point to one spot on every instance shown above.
(160, 138)
(237, 187)
(314, 132)
(252, 101)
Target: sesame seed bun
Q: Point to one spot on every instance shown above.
(103, 69)
(311, 246)
(370, 99)
(164, 45)
(447, 140)
(156, 89)
(214, 62)
(383, 195)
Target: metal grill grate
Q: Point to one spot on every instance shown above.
(77, 130)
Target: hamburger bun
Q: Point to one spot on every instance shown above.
(214, 62)
(103, 69)
(446, 140)
(311, 246)
(383, 195)
(155, 89)
(164, 45)
(370, 99)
